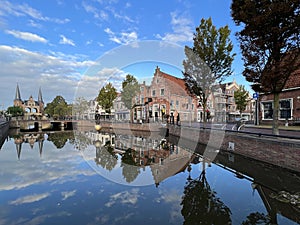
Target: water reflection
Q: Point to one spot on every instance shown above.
(200, 204)
(183, 187)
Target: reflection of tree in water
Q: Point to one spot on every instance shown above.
(257, 218)
(130, 169)
(81, 142)
(106, 158)
(60, 139)
(200, 205)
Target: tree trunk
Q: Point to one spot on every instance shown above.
(204, 115)
(275, 125)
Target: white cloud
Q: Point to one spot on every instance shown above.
(122, 38)
(66, 41)
(26, 36)
(120, 16)
(182, 30)
(127, 5)
(98, 14)
(53, 72)
(90, 84)
(29, 199)
(8, 8)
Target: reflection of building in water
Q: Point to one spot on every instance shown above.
(164, 159)
(30, 139)
(104, 138)
(124, 142)
(176, 162)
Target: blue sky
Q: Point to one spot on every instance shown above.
(53, 44)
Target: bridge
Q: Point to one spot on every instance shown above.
(39, 125)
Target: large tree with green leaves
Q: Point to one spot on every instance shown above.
(270, 44)
(208, 61)
(130, 87)
(58, 107)
(106, 96)
(15, 111)
(241, 98)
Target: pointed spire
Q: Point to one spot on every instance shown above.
(18, 95)
(41, 142)
(40, 98)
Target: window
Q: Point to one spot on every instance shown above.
(153, 93)
(285, 109)
(177, 103)
(267, 110)
(162, 92)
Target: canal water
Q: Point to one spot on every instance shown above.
(101, 178)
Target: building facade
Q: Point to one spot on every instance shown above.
(224, 107)
(165, 98)
(289, 102)
(30, 106)
(120, 110)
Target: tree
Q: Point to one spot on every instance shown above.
(208, 61)
(58, 107)
(15, 111)
(269, 42)
(80, 106)
(130, 87)
(106, 96)
(257, 218)
(201, 205)
(241, 98)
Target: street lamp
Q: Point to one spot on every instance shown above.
(97, 120)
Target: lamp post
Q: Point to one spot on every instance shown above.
(255, 97)
(97, 120)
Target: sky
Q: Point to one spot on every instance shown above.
(72, 47)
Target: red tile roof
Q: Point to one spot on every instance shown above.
(294, 80)
(176, 84)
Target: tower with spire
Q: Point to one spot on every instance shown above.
(30, 106)
(18, 101)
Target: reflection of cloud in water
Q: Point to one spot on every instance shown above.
(30, 198)
(172, 197)
(125, 197)
(67, 194)
(56, 167)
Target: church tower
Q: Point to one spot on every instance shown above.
(41, 102)
(18, 101)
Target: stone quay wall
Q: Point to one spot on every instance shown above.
(4, 127)
(283, 152)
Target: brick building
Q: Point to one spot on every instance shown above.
(30, 106)
(289, 102)
(166, 97)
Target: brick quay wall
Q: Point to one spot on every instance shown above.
(283, 152)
